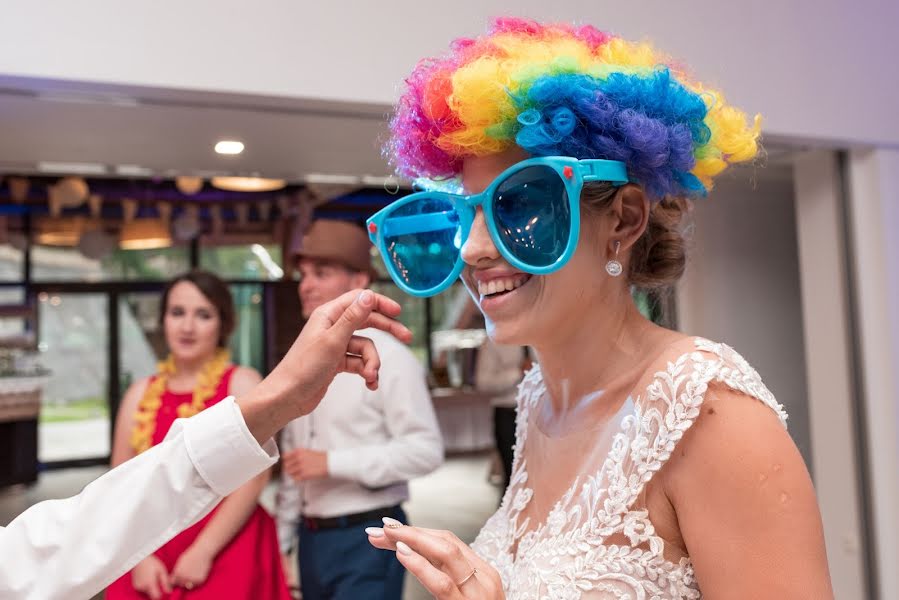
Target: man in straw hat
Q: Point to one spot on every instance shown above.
(347, 465)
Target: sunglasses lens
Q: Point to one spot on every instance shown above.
(423, 240)
(533, 216)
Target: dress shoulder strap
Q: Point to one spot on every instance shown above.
(664, 412)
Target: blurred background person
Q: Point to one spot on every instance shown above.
(347, 464)
(498, 371)
(232, 552)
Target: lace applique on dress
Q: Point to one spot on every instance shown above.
(569, 556)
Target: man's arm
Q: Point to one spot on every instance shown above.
(75, 547)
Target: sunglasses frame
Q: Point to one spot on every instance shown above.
(573, 173)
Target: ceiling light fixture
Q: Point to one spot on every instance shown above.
(133, 171)
(332, 179)
(59, 231)
(189, 185)
(74, 168)
(248, 184)
(229, 147)
(144, 234)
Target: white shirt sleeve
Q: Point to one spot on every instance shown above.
(73, 548)
(415, 447)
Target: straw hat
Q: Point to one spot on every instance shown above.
(336, 241)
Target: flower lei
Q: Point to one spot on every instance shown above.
(147, 409)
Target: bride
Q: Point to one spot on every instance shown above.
(648, 463)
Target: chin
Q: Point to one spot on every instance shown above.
(194, 355)
(308, 308)
(509, 332)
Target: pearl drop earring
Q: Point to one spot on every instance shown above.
(613, 267)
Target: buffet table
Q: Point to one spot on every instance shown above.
(465, 417)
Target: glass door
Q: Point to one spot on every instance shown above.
(73, 341)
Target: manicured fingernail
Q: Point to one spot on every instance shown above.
(365, 298)
(403, 548)
(374, 531)
(391, 523)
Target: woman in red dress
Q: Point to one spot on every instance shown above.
(233, 551)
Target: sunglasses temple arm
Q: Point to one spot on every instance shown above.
(604, 170)
(437, 221)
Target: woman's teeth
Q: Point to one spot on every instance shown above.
(496, 286)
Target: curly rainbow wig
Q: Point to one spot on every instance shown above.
(567, 91)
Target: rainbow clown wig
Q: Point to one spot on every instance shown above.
(560, 90)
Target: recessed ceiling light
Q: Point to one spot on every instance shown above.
(332, 178)
(229, 147)
(76, 168)
(87, 98)
(133, 171)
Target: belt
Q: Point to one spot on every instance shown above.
(315, 523)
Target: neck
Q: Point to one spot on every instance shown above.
(590, 351)
(190, 368)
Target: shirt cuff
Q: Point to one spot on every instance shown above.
(222, 449)
(342, 464)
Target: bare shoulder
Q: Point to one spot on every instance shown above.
(129, 404)
(738, 440)
(243, 380)
(745, 504)
(121, 444)
(133, 394)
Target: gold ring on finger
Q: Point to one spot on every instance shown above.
(469, 576)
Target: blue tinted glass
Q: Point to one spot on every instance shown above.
(532, 215)
(423, 239)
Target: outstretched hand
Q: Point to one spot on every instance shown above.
(326, 346)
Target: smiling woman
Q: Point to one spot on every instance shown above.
(641, 453)
(197, 317)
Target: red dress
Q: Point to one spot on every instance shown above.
(248, 567)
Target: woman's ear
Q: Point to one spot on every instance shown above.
(629, 215)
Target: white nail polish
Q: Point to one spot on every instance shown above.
(374, 532)
(403, 549)
(392, 523)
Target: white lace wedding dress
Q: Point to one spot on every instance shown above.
(573, 524)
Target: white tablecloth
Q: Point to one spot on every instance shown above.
(465, 418)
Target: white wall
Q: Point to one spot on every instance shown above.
(784, 303)
(874, 223)
(830, 369)
(767, 276)
(819, 69)
(742, 285)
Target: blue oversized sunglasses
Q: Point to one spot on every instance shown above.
(532, 210)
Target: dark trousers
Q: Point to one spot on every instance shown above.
(504, 432)
(340, 564)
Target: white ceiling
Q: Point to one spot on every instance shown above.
(172, 132)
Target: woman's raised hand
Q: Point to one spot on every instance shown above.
(447, 567)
